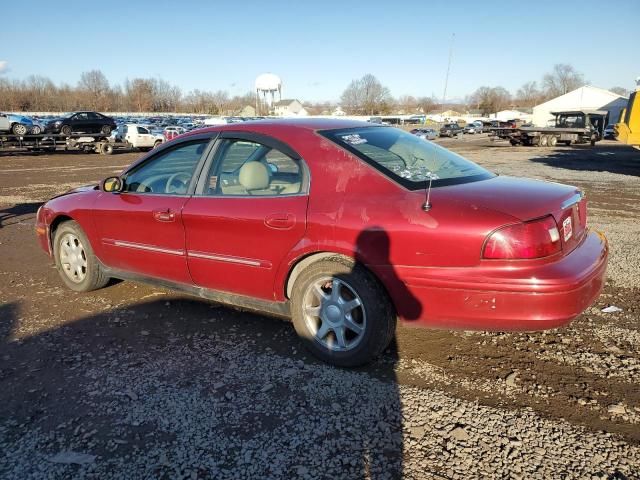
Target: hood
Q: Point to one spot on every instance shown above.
(522, 198)
(84, 188)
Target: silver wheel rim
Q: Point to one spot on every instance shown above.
(73, 258)
(334, 314)
(21, 129)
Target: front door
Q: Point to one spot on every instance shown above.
(248, 212)
(141, 228)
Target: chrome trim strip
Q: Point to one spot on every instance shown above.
(150, 248)
(576, 198)
(223, 258)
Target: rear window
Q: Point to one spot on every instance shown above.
(407, 159)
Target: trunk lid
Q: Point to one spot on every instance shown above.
(526, 199)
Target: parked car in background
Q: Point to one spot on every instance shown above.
(450, 130)
(82, 122)
(609, 132)
(472, 128)
(139, 136)
(326, 221)
(173, 131)
(426, 133)
(17, 124)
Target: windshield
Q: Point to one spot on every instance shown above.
(407, 159)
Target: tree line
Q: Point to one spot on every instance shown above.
(94, 92)
(363, 96)
(367, 96)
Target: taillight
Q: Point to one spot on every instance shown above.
(534, 239)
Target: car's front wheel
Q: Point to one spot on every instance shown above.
(79, 268)
(105, 130)
(19, 129)
(342, 313)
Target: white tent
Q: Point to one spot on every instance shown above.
(583, 98)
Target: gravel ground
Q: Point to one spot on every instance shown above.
(138, 382)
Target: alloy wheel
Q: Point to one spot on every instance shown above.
(334, 314)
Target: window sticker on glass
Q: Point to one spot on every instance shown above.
(354, 139)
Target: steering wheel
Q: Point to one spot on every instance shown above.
(182, 182)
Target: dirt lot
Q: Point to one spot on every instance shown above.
(137, 382)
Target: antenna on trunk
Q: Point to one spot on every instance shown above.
(426, 206)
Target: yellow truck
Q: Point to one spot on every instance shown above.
(627, 130)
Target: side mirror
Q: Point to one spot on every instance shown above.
(112, 184)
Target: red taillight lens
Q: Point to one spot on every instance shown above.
(535, 239)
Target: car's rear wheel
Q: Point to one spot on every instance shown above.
(65, 130)
(36, 130)
(157, 144)
(342, 313)
(19, 129)
(79, 268)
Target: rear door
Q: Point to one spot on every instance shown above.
(248, 212)
(141, 228)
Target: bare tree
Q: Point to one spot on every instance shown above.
(95, 89)
(620, 91)
(426, 104)
(366, 96)
(562, 79)
(490, 99)
(140, 94)
(528, 95)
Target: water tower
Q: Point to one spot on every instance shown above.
(267, 84)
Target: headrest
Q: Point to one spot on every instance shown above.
(254, 176)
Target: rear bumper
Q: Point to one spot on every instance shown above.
(503, 297)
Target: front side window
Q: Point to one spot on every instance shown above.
(142, 130)
(244, 168)
(407, 159)
(168, 173)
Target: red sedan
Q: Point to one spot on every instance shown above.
(344, 226)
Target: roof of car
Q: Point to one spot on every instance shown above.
(311, 124)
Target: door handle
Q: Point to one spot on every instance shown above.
(164, 215)
(280, 221)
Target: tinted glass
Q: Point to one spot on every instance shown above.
(406, 158)
(169, 172)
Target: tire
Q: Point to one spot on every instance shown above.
(513, 142)
(552, 141)
(372, 313)
(36, 130)
(18, 129)
(65, 130)
(105, 130)
(77, 265)
(106, 149)
(544, 140)
(157, 144)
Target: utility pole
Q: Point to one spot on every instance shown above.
(446, 79)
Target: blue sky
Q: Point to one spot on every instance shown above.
(318, 47)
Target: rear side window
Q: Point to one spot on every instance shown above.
(248, 168)
(407, 159)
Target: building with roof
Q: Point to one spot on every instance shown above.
(289, 108)
(583, 98)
